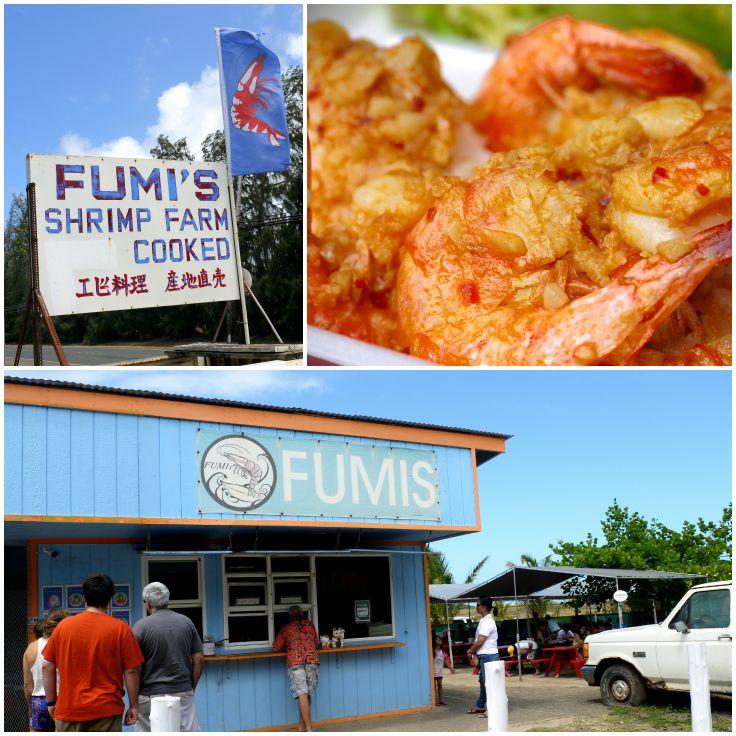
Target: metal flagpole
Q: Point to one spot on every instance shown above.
(516, 611)
(241, 283)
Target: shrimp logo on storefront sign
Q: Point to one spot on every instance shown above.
(238, 472)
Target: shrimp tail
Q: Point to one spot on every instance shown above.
(613, 323)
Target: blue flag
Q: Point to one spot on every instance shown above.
(253, 107)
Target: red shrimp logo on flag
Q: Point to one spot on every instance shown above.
(253, 106)
(253, 92)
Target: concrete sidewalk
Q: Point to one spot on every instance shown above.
(533, 701)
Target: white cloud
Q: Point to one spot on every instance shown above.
(186, 110)
(190, 111)
(294, 45)
(125, 147)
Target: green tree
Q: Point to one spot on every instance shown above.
(173, 150)
(633, 542)
(536, 608)
(16, 265)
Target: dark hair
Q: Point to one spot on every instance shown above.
(98, 590)
(49, 623)
(486, 602)
(38, 629)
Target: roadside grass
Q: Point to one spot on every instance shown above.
(643, 718)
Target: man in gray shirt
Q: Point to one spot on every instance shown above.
(174, 660)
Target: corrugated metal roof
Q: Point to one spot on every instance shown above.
(69, 385)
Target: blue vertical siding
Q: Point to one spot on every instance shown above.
(247, 694)
(83, 463)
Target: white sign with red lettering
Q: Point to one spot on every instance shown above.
(117, 233)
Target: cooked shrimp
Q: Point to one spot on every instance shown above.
(572, 255)
(381, 129)
(550, 81)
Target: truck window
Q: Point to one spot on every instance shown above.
(707, 609)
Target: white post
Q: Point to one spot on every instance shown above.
(516, 609)
(165, 713)
(449, 635)
(620, 612)
(497, 703)
(699, 687)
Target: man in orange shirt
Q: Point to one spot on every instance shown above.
(93, 653)
(299, 639)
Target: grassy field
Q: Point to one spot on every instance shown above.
(644, 718)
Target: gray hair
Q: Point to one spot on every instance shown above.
(156, 595)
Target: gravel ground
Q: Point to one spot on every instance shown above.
(534, 701)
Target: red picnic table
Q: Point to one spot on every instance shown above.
(567, 657)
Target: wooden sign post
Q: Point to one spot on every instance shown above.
(35, 306)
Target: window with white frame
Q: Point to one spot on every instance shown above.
(183, 577)
(351, 592)
(259, 592)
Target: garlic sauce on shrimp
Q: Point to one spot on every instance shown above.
(544, 258)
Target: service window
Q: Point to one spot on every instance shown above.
(354, 593)
(707, 609)
(183, 577)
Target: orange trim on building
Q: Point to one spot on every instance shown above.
(227, 522)
(118, 404)
(89, 540)
(476, 487)
(429, 624)
(348, 719)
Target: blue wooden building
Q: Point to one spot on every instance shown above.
(242, 510)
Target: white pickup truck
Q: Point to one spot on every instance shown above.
(627, 662)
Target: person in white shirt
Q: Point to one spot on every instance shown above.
(484, 648)
(565, 635)
(552, 626)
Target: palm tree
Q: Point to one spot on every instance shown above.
(439, 572)
(536, 608)
(529, 561)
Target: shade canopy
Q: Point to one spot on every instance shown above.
(444, 592)
(529, 581)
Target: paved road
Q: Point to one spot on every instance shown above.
(86, 354)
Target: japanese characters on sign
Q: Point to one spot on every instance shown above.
(132, 233)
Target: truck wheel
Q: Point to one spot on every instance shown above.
(622, 685)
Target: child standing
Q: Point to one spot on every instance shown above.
(439, 665)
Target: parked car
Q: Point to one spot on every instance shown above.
(626, 663)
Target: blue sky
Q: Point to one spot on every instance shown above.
(658, 441)
(105, 79)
